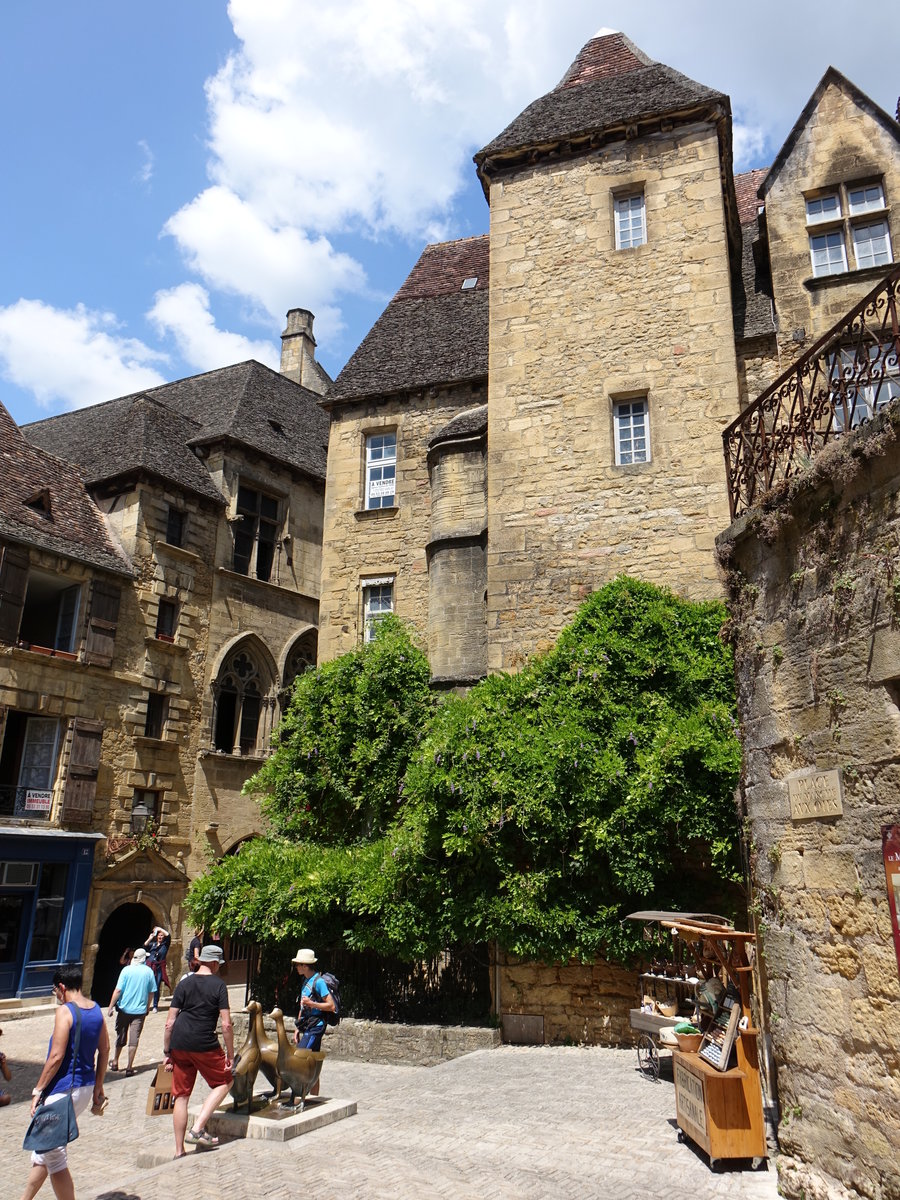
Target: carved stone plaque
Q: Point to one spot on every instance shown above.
(815, 794)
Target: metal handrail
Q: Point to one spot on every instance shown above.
(843, 380)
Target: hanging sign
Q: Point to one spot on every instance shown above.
(38, 801)
(890, 846)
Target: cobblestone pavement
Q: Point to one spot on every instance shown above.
(518, 1123)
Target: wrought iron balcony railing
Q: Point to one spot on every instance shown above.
(848, 376)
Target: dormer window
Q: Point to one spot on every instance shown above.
(40, 503)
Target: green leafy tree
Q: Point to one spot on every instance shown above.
(345, 741)
(536, 811)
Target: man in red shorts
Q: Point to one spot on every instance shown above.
(191, 1044)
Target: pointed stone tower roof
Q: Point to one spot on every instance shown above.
(612, 90)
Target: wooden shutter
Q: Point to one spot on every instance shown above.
(84, 765)
(13, 582)
(104, 617)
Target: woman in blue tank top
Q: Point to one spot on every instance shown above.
(57, 1076)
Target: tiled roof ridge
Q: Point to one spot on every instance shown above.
(442, 266)
(746, 185)
(602, 57)
(145, 394)
(472, 237)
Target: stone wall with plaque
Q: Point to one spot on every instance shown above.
(816, 609)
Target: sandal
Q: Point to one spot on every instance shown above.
(200, 1138)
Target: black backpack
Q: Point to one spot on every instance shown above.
(334, 987)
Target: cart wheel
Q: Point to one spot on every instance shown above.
(648, 1057)
(758, 1163)
(682, 1137)
(715, 1164)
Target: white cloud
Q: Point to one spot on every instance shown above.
(183, 313)
(72, 356)
(145, 173)
(226, 241)
(749, 146)
(354, 119)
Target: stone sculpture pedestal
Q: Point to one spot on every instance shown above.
(275, 1124)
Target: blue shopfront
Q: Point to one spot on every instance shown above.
(45, 878)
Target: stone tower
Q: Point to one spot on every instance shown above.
(613, 236)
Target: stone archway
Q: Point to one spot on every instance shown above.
(127, 926)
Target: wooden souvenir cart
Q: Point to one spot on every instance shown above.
(721, 1110)
(667, 986)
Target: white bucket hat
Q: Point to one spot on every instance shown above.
(307, 957)
(139, 955)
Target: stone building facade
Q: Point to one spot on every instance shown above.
(631, 297)
(210, 493)
(814, 592)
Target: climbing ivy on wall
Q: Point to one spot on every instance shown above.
(537, 810)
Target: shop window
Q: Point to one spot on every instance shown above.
(50, 907)
(255, 529)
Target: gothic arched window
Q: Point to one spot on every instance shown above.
(238, 704)
(301, 658)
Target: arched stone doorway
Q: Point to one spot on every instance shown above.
(129, 925)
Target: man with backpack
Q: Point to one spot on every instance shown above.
(317, 1004)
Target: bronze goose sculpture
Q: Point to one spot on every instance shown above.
(268, 1050)
(247, 1062)
(299, 1069)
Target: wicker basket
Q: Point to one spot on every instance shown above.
(689, 1042)
(667, 1009)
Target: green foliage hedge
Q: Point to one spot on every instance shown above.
(536, 811)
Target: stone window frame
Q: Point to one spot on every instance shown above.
(369, 618)
(176, 526)
(370, 466)
(256, 521)
(156, 716)
(622, 219)
(146, 805)
(835, 226)
(167, 619)
(618, 403)
(244, 699)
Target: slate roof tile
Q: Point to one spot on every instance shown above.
(432, 332)
(611, 83)
(67, 522)
(156, 430)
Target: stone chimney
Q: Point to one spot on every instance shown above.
(297, 343)
(298, 353)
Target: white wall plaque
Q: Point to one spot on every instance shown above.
(815, 794)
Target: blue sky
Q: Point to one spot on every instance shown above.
(176, 175)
